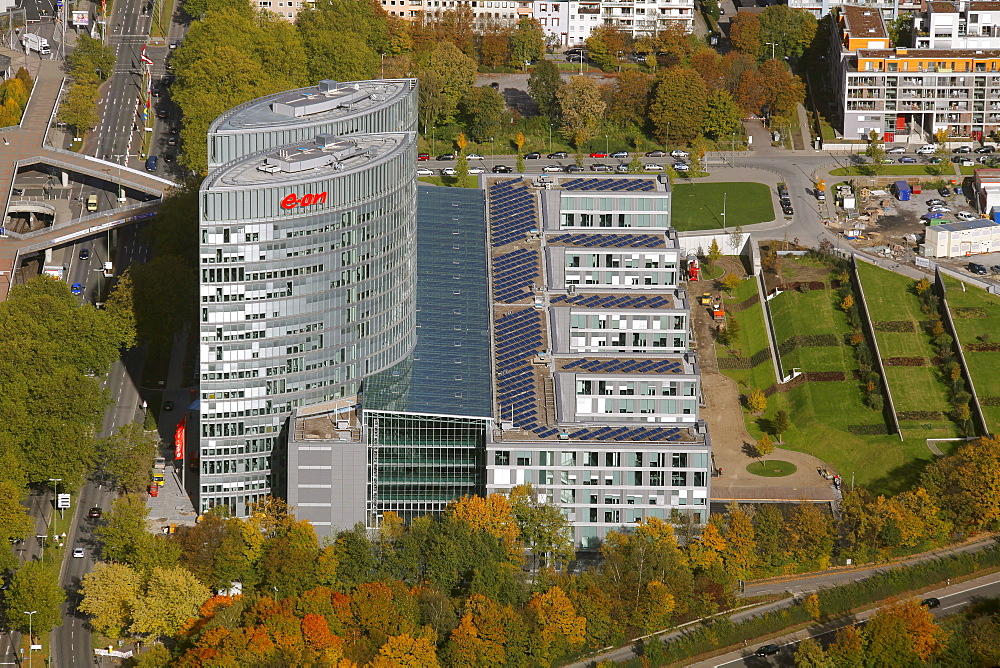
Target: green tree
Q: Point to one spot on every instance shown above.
(527, 42)
(791, 30)
(722, 116)
(810, 535)
(679, 105)
(91, 57)
(482, 112)
(543, 85)
(457, 72)
(109, 594)
(544, 529)
(714, 252)
(170, 597)
(127, 457)
(123, 528)
(876, 153)
(35, 587)
(810, 654)
(79, 109)
(779, 424)
(582, 109)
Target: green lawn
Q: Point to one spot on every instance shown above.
(807, 314)
(890, 296)
(984, 366)
(752, 338)
(450, 181)
(772, 468)
(699, 206)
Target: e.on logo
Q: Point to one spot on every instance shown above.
(293, 200)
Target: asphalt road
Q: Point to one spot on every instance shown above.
(953, 599)
(129, 30)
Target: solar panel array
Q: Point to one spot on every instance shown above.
(609, 240)
(518, 339)
(629, 434)
(514, 274)
(512, 212)
(627, 366)
(626, 185)
(614, 301)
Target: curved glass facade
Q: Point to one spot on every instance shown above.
(307, 286)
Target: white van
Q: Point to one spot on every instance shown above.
(927, 149)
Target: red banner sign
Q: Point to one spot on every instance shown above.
(293, 200)
(179, 438)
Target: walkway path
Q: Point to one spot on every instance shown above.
(730, 439)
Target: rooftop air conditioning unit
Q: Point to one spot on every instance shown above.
(328, 86)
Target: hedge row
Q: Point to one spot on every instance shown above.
(759, 357)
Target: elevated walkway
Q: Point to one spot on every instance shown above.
(24, 145)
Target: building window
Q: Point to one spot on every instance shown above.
(502, 458)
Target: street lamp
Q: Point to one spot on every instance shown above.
(491, 152)
(550, 137)
(772, 45)
(724, 197)
(606, 151)
(30, 645)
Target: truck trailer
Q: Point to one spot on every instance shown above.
(33, 42)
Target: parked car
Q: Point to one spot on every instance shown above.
(474, 156)
(622, 168)
(575, 58)
(935, 202)
(965, 215)
(895, 150)
(621, 155)
(650, 167)
(939, 209)
(935, 160)
(449, 171)
(656, 154)
(552, 168)
(680, 166)
(679, 153)
(598, 155)
(963, 149)
(787, 209)
(502, 169)
(574, 168)
(907, 159)
(966, 162)
(600, 167)
(767, 650)
(986, 149)
(423, 171)
(534, 155)
(927, 149)
(944, 191)
(446, 156)
(888, 161)
(995, 269)
(558, 155)
(476, 170)
(423, 156)
(978, 269)
(933, 215)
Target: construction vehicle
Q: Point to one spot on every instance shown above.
(705, 299)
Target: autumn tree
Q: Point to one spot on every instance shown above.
(810, 654)
(730, 282)
(714, 252)
(740, 552)
(492, 514)
(405, 651)
(169, 598)
(963, 485)
(557, 628)
(605, 46)
(630, 98)
(809, 535)
(902, 632)
(757, 401)
(745, 33)
(581, 108)
(707, 550)
(109, 594)
(679, 105)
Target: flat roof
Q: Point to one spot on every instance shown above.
(449, 370)
(963, 225)
(943, 7)
(524, 368)
(358, 98)
(308, 161)
(980, 54)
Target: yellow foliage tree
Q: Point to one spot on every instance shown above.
(405, 651)
(492, 514)
(847, 303)
(706, 551)
(658, 607)
(559, 628)
(756, 401)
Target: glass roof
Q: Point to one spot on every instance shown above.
(449, 370)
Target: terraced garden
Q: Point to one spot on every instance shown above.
(905, 346)
(977, 321)
(828, 417)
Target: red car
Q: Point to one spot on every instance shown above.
(423, 156)
(598, 155)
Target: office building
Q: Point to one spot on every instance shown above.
(909, 94)
(307, 269)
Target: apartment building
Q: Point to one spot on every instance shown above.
(909, 94)
(888, 9)
(286, 9)
(570, 23)
(958, 25)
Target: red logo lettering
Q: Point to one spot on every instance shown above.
(293, 200)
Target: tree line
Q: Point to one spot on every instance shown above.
(14, 95)
(90, 64)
